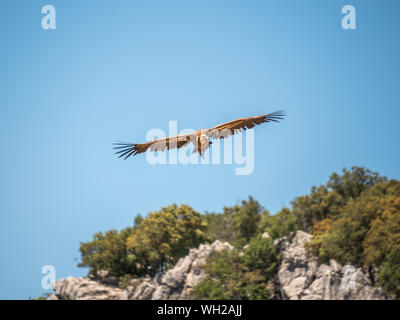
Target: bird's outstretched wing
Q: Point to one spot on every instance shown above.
(128, 149)
(226, 129)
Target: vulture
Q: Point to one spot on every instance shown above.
(199, 138)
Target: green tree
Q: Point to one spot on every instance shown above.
(219, 227)
(352, 183)
(107, 252)
(261, 255)
(246, 218)
(365, 233)
(280, 224)
(341, 236)
(165, 236)
(344, 241)
(236, 225)
(382, 245)
(328, 200)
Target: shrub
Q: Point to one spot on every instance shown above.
(165, 236)
(239, 275)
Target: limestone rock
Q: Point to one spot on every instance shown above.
(84, 289)
(302, 278)
(299, 277)
(177, 282)
(144, 291)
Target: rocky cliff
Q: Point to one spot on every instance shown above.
(299, 277)
(176, 283)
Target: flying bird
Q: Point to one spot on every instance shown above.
(199, 138)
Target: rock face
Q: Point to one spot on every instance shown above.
(300, 277)
(177, 282)
(84, 289)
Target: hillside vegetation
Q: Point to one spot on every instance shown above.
(354, 218)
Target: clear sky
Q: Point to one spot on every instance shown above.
(112, 70)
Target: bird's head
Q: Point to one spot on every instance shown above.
(203, 138)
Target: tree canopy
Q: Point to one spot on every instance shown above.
(151, 245)
(165, 236)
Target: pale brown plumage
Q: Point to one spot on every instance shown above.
(218, 132)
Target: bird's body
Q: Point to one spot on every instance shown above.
(203, 142)
(199, 138)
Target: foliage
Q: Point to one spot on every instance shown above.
(219, 227)
(344, 240)
(341, 237)
(261, 255)
(165, 236)
(125, 281)
(236, 225)
(382, 245)
(239, 275)
(149, 246)
(44, 296)
(365, 233)
(280, 224)
(329, 199)
(107, 252)
(246, 218)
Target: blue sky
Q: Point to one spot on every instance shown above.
(112, 70)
